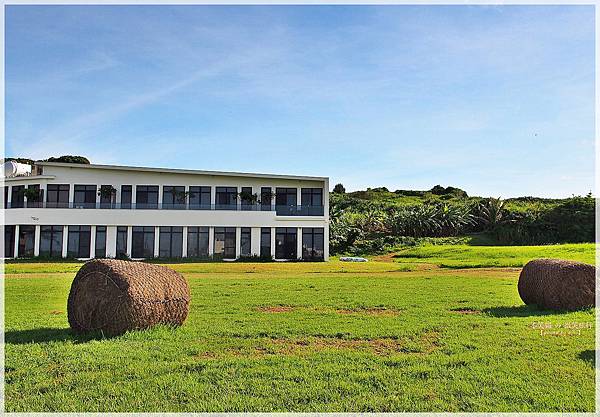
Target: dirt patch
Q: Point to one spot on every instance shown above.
(371, 311)
(275, 309)
(56, 312)
(465, 310)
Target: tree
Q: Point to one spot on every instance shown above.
(339, 189)
(71, 159)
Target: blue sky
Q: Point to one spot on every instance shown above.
(498, 101)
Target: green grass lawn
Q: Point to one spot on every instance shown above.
(377, 336)
(464, 256)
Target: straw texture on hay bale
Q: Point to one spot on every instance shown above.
(116, 296)
(557, 284)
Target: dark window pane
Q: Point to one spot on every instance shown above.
(265, 242)
(200, 198)
(126, 196)
(285, 243)
(142, 242)
(313, 243)
(79, 240)
(197, 242)
(312, 197)
(9, 241)
(246, 241)
(173, 197)
(17, 196)
(226, 198)
(51, 239)
(121, 249)
(224, 245)
(108, 195)
(146, 196)
(100, 242)
(57, 195)
(26, 241)
(266, 198)
(171, 242)
(84, 196)
(35, 196)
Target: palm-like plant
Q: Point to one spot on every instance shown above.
(491, 212)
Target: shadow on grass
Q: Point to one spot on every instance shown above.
(588, 356)
(47, 335)
(520, 311)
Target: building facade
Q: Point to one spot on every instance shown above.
(86, 211)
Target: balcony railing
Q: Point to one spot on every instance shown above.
(280, 210)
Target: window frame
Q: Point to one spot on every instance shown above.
(246, 240)
(229, 242)
(147, 251)
(196, 236)
(57, 195)
(100, 230)
(51, 231)
(80, 232)
(167, 236)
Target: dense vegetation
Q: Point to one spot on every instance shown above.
(377, 220)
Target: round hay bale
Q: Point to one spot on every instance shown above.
(116, 296)
(557, 284)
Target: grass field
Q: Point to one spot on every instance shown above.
(394, 334)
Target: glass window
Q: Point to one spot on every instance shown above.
(17, 196)
(5, 196)
(9, 241)
(312, 197)
(142, 242)
(173, 197)
(170, 242)
(51, 240)
(197, 242)
(265, 242)
(57, 195)
(100, 242)
(226, 198)
(286, 196)
(26, 241)
(84, 196)
(285, 200)
(200, 198)
(121, 249)
(246, 241)
(247, 198)
(35, 196)
(225, 242)
(79, 241)
(313, 243)
(146, 196)
(266, 198)
(126, 196)
(285, 243)
(108, 194)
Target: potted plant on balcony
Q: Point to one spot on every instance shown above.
(33, 196)
(267, 197)
(107, 192)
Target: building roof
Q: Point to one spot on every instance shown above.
(180, 171)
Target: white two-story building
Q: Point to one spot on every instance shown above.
(85, 211)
